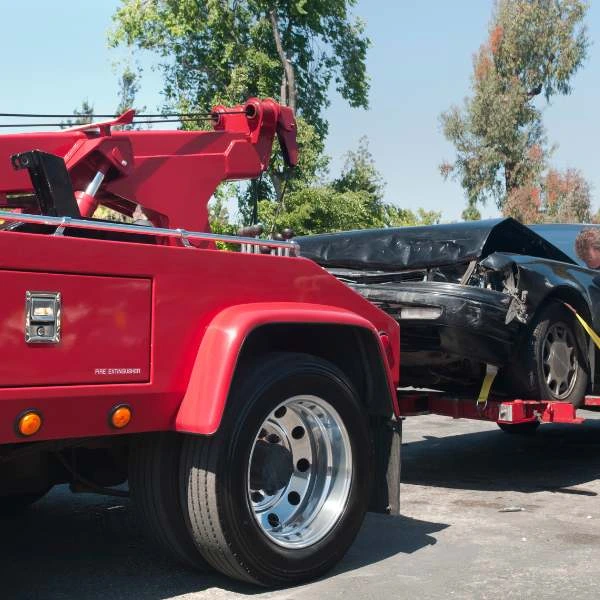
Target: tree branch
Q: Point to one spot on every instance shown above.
(288, 69)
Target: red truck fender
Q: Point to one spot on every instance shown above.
(214, 367)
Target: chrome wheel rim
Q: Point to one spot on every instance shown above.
(300, 472)
(559, 360)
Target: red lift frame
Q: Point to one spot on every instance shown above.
(498, 410)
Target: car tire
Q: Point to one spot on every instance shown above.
(278, 494)
(551, 362)
(154, 485)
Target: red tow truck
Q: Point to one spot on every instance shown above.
(248, 397)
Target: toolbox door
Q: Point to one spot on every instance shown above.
(58, 329)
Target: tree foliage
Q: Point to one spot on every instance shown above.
(325, 209)
(568, 197)
(214, 52)
(360, 174)
(405, 217)
(533, 50)
(129, 86)
(471, 213)
(83, 115)
(320, 210)
(563, 197)
(226, 51)
(223, 52)
(311, 169)
(352, 201)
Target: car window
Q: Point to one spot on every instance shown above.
(562, 236)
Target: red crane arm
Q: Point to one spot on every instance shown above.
(170, 174)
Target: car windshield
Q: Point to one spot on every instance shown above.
(562, 236)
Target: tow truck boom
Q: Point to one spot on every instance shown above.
(171, 174)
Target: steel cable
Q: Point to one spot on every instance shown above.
(139, 119)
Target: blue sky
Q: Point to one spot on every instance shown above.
(55, 54)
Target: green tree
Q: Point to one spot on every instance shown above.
(83, 115)
(404, 217)
(325, 209)
(360, 175)
(225, 52)
(311, 170)
(129, 86)
(533, 50)
(568, 197)
(352, 201)
(471, 213)
(320, 210)
(562, 197)
(218, 214)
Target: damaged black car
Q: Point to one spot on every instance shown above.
(477, 294)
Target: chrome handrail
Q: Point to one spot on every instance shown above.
(248, 244)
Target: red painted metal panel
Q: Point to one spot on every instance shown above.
(105, 331)
(172, 174)
(215, 363)
(190, 286)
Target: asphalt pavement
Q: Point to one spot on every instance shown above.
(485, 515)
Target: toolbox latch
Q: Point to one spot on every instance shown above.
(42, 317)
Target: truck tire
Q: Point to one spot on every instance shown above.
(279, 493)
(154, 488)
(551, 363)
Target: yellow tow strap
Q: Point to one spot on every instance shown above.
(491, 371)
(490, 374)
(595, 337)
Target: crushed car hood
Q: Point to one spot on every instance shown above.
(395, 249)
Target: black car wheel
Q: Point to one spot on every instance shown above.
(551, 363)
(279, 493)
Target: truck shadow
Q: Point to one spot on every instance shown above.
(383, 536)
(557, 458)
(90, 547)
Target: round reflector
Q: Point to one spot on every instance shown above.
(120, 416)
(29, 423)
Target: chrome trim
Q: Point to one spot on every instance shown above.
(95, 184)
(309, 499)
(285, 248)
(50, 324)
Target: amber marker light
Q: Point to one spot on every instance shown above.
(120, 416)
(29, 423)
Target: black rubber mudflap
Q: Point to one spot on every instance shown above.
(387, 443)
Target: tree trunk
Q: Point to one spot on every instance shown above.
(509, 179)
(276, 178)
(288, 69)
(283, 94)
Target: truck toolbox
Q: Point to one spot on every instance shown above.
(102, 321)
